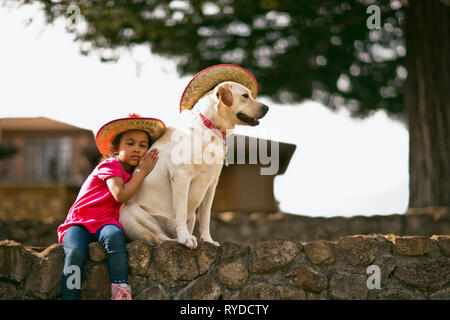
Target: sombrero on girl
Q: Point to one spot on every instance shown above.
(154, 127)
(208, 78)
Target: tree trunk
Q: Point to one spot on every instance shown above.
(427, 102)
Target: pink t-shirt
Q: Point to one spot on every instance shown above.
(95, 206)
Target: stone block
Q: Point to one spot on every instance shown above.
(289, 293)
(443, 294)
(443, 242)
(203, 288)
(319, 252)
(15, 260)
(96, 252)
(231, 250)
(426, 275)
(412, 246)
(362, 250)
(175, 262)
(258, 291)
(155, 292)
(270, 256)
(394, 291)
(97, 285)
(206, 256)
(311, 295)
(387, 266)
(345, 286)
(233, 275)
(9, 291)
(44, 280)
(139, 258)
(309, 278)
(138, 284)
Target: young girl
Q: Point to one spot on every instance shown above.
(124, 144)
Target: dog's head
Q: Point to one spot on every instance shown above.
(236, 102)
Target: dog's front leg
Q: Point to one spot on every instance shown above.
(205, 214)
(180, 189)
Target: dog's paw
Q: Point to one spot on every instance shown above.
(210, 240)
(188, 240)
(215, 243)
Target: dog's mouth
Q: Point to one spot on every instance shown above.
(248, 120)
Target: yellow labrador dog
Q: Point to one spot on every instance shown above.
(186, 175)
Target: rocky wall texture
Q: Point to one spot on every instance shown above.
(410, 267)
(251, 227)
(257, 226)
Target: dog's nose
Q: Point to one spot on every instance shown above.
(264, 108)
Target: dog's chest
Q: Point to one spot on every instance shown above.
(207, 146)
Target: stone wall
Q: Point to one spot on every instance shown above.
(413, 267)
(257, 226)
(250, 227)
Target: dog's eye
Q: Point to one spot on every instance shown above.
(245, 96)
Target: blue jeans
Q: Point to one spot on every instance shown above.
(75, 243)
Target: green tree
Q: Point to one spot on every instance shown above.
(325, 50)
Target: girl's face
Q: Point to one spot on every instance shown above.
(133, 146)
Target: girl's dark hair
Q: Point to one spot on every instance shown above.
(116, 142)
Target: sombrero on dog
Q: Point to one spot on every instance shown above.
(154, 127)
(208, 78)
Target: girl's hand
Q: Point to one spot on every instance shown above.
(148, 161)
(123, 192)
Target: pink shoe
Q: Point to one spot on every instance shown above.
(120, 291)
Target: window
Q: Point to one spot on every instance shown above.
(48, 159)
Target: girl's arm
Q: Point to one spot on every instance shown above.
(123, 192)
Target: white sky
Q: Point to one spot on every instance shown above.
(341, 166)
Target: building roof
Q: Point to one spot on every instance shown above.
(36, 124)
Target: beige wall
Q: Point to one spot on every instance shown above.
(242, 188)
(36, 201)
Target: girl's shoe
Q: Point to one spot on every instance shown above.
(120, 291)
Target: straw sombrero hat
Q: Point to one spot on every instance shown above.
(208, 78)
(154, 127)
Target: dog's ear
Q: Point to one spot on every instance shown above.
(224, 94)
